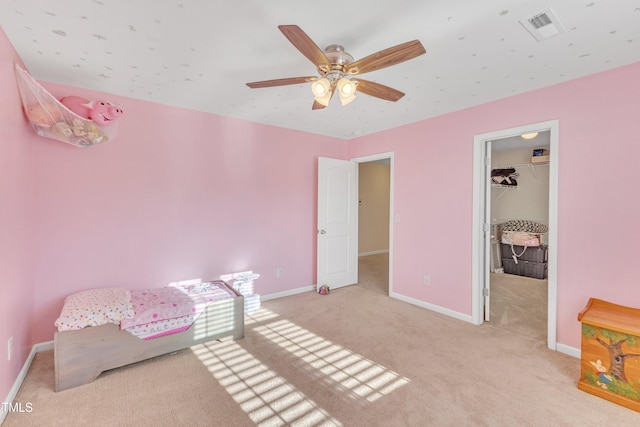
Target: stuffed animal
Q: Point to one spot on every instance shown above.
(94, 135)
(62, 130)
(101, 112)
(43, 114)
(78, 128)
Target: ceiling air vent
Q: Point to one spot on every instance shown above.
(543, 25)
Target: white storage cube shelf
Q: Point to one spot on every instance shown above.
(251, 303)
(244, 289)
(243, 283)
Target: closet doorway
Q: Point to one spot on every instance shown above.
(518, 274)
(482, 223)
(374, 222)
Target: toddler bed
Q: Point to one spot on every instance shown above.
(102, 329)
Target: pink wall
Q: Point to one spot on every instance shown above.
(599, 202)
(16, 221)
(177, 195)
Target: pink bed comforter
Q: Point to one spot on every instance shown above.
(170, 309)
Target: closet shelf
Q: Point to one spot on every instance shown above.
(503, 189)
(524, 165)
(532, 167)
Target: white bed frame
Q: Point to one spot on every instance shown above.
(81, 356)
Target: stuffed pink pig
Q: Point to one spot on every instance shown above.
(101, 112)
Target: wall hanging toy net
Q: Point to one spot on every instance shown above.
(50, 118)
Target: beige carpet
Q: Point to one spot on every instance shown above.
(519, 305)
(350, 358)
(373, 272)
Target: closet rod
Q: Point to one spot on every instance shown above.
(520, 166)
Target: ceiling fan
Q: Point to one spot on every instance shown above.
(338, 70)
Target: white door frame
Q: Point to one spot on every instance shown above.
(372, 158)
(480, 257)
(486, 259)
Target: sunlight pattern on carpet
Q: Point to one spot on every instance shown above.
(259, 316)
(335, 365)
(267, 398)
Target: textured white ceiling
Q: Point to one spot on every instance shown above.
(198, 54)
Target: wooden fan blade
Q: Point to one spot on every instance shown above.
(386, 58)
(317, 106)
(281, 82)
(305, 45)
(378, 90)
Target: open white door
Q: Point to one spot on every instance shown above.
(486, 292)
(337, 222)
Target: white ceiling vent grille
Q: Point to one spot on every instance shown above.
(543, 25)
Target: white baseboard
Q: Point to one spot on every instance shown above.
(288, 293)
(432, 307)
(561, 348)
(382, 251)
(43, 346)
(571, 351)
(22, 375)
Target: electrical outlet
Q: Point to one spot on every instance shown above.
(427, 280)
(10, 348)
(279, 272)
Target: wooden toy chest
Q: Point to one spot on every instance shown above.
(610, 365)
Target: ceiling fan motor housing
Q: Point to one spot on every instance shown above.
(337, 56)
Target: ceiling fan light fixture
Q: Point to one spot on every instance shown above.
(321, 87)
(346, 90)
(324, 100)
(346, 87)
(345, 100)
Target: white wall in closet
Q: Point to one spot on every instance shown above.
(530, 198)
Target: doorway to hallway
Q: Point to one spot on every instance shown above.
(374, 222)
